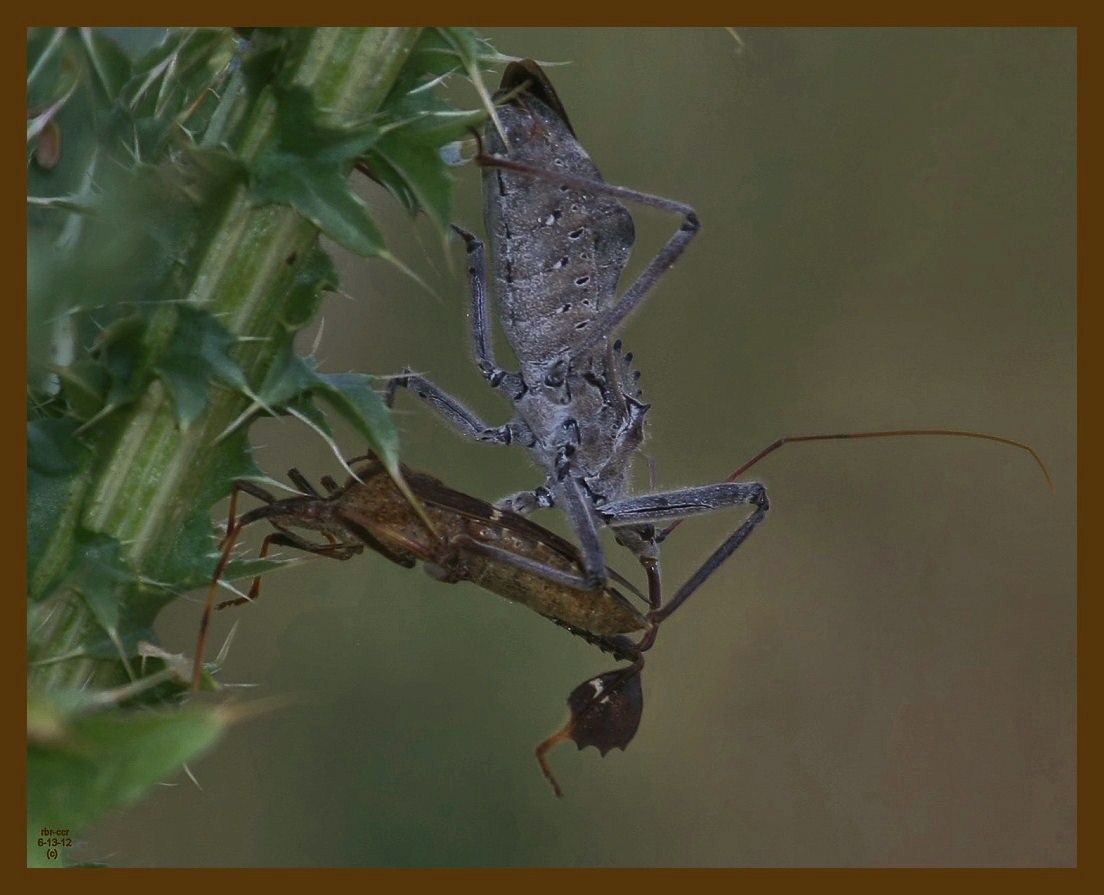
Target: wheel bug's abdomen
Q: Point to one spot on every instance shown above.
(558, 252)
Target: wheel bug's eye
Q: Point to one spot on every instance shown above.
(555, 377)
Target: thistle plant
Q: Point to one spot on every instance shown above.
(175, 203)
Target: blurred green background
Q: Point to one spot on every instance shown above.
(885, 673)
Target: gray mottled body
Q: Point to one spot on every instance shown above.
(560, 239)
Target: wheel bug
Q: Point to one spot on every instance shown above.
(560, 241)
(461, 538)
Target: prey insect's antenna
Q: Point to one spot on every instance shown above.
(888, 433)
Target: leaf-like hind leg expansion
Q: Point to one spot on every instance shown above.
(605, 712)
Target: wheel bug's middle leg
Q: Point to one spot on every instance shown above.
(454, 413)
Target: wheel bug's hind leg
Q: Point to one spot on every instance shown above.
(608, 322)
(707, 568)
(680, 504)
(451, 410)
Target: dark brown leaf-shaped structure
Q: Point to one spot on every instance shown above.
(605, 713)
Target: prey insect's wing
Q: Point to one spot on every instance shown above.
(435, 493)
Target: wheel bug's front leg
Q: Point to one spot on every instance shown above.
(608, 322)
(451, 410)
(572, 499)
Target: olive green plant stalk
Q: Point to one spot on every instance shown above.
(175, 203)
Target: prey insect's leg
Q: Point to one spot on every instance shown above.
(610, 320)
(284, 538)
(454, 413)
(302, 483)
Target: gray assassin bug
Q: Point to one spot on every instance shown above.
(560, 241)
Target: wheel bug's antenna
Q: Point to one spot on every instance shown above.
(888, 433)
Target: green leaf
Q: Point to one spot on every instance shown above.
(415, 171)
(315, 276)
(80, 767)
(56, 460)
(289, 377)
(306, 167)
(352, 396)
(106, 59)
(198, 355)
(101, 576)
